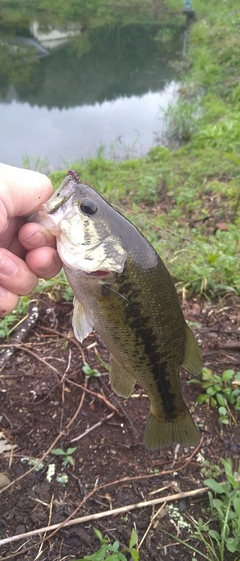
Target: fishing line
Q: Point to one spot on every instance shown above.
(172, 233)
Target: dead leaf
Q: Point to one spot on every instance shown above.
(4, 480)
(4, 445)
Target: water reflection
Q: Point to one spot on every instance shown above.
(124, 127)
(75, 90)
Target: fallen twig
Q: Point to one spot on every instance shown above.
(69, 337)
(45, 533)
(87, 431)
(95, 394)
(150, 524)
(97, 515)
(231, 345)
(25, 348)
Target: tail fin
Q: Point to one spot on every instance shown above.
(159, 432)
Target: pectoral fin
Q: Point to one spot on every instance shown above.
(192, 360)
(122, 382)
(82, 325)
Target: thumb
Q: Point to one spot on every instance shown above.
(22, 191)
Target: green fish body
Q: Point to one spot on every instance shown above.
(123, 289)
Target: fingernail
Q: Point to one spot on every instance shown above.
(8, 267)
(2, 291)
(36, 240)
(47, 269)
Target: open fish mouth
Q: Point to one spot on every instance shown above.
(99, 273)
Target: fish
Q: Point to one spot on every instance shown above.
(125, 292)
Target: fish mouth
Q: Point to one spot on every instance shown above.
(99, 273)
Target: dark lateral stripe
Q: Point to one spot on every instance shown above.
(147, 338)
(157, 362)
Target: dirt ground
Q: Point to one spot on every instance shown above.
(46, 402)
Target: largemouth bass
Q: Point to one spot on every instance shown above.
(123, 289)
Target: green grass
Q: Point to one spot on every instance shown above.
(218, 532)
(13, 320)
(113, 551)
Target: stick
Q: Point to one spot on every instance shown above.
(23, 347)
(98, 515)
(92, 428)
(95, 394)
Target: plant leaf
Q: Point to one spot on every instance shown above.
(58, 452)
(70, 451)
(215, 486)
(215, 535)
(133, 539)
(134, 554)
(98, 534)
(236, 504)
(227, 375)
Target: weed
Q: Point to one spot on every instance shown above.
(224, 507)
(90, 372)
(33, 462)
(181, 120)
(55, 286)
(11, 321)
(210, 470)
(148, 189)
(112, 551)
(221, 392)
(224, 500)
(37, 163)
(66, 456)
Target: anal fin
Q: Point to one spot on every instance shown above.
(192, 359)
(122, 382)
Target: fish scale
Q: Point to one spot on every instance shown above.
(123, 289)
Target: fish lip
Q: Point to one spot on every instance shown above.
(99, 273)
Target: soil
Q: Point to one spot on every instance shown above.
(46, 402)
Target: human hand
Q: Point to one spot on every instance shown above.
(27, 251)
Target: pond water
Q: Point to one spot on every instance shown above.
(68, 92)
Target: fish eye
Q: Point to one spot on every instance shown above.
(88, 207)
